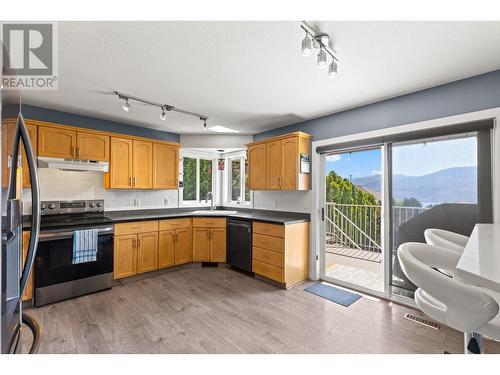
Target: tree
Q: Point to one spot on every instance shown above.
(341, 190)
(411, 202)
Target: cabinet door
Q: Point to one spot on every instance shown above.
(125, 259)
(32, 132)
(201, 244)
(56, 143)
(143, 165)
(165, 166)
(166, 248)
(183, 249)
(28, 293)
(218, 245)
(257, 171)
(289, 164)
(120, 168)
(273, 165)
(147, 252)
(91, 146)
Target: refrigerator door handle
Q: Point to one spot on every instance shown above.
(22, 134)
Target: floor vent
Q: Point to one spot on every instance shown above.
(424, 322)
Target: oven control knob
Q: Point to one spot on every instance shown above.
(99, 204)
(43, 206)
(52, 206)
(91, 204)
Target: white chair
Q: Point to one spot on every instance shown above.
(461, 306)
(445, 238)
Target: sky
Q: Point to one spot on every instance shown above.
(411, 160)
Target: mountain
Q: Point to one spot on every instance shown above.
(450, 185)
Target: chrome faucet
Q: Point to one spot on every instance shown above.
(211, 197)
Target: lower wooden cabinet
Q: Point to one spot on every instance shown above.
(147, 252)
(175, 243)
(280, 252)
(125, 260)
(136, 248)
(28, 293)
(209, 240)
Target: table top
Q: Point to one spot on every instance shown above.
(480, 261)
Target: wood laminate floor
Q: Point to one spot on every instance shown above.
(219, 310)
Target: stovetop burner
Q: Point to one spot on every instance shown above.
(73, 214)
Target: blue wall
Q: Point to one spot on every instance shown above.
(65, 118)
(467, 95)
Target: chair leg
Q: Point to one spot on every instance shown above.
(473, 343)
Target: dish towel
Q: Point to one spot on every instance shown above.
(85, 243)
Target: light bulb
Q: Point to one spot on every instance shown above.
(163, 115)
(306, 46)
(126, 106)
(332, 69)
(321, 58)
(205, 125)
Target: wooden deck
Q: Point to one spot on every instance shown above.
(354, 253)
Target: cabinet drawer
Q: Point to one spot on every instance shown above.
(174, 224)
(136, 227)
(268, 256)
(267, 270)
(274, 230)
(209, 222)
(268, 242)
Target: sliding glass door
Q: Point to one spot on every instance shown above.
(433, 185)
(353, 219)
(375, 198)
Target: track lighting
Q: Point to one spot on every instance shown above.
(126, 105)
(321, 61)
(164, 107)
(163, 115)
(319, 41)
(306, 45)
(332, 69)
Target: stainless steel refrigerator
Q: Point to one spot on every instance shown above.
(13, 275)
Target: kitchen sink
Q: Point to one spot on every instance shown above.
(214, 212)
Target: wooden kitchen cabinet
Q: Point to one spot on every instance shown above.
(56, 142)
(120, 168)
(142, 170)
(209, 239)
(281, 252)
(28, 293)
(183, 247)
(147, 252)
(274, 165)
(257, 171)
(165, 166)
(92, 146)
(166, 248)
(125, 256)
(280, 162)
(7, 148)
(175, 242)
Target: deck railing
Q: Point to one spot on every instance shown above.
(359, 226)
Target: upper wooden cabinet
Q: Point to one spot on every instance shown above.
(142, 156)
(274, 163)
(120, 168)
(92, 146)
(56, 143)
(257, 176)
(165, 166)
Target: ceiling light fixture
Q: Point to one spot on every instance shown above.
(164, 107)
(306, 45)
(320, 41)
(163, 115)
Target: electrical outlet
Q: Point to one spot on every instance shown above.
(165, 201)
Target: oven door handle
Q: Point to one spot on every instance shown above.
(51, 236)
(21, 134)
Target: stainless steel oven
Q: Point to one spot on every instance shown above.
(56, 277)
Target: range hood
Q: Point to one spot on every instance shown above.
(73, 165)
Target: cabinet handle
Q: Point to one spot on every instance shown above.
(138, 242)
(133, 181)
(130, 181)
(134, 245)
(77, 152)
(73, 151)
(177, 237)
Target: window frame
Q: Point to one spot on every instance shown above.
(241, 156)
(197, 155)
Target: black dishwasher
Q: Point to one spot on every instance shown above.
(239, 238)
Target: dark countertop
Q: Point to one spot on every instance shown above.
(242, 213)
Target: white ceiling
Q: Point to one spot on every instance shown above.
(251, 76)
